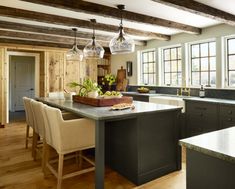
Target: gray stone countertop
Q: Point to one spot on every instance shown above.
(212, 100)
(104, 113)
(219, 144)
(141, 94)
(191, 98)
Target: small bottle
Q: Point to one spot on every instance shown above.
(202, 92)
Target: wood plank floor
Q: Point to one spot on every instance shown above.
(19, 171)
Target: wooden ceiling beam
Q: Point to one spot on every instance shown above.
(57, 32)
(72, 22)
(47, 38)
(200, 9)
(40, 43)
(102, 10)
(49, 30)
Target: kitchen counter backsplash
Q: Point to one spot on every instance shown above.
(210, 93)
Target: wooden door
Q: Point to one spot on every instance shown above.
(22, 80)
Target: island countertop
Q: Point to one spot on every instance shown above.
(219, 144)
(104, 113)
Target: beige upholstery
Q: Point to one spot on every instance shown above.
(66, 137)
(29, 118)
(37, 108)
(28, 111)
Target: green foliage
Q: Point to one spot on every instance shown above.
(108, 79)
(87, 86)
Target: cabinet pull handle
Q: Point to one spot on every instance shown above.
(230, 112)
(229, 119)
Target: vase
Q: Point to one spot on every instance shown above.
(92, 94)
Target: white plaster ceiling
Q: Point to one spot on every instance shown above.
(146, 7)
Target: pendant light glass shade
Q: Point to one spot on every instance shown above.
(74, 54)
(93, 50)
(121, 43)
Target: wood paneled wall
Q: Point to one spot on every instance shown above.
(2, 85)
(55, 72)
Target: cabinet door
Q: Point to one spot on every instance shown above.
(201, 117)
(194, 124)
(55, 70)
(72, 74)
(227, 116)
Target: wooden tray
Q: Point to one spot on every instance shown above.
(102, 101)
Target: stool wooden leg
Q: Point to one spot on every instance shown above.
(34, 145)
(44, 149)
(27, 136)
(46, 159)
(60, 171)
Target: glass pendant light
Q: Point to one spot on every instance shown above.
(121, 43)
(93, 50)
(74, 54)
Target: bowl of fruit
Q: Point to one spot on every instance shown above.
(143, 90)
(112, 94)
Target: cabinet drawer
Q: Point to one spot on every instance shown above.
(227, 121)
(201, 107)
(227, 110)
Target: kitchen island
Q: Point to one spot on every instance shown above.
(141, 143)
(210, 160)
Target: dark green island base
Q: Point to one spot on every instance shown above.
(211, 160)
(144, 148)
(140, 143)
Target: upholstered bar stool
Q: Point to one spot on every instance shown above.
(39, 127)
(67, 137)
(29, 118)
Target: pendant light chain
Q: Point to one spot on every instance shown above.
(121, 17)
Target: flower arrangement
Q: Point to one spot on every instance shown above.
(108, 79)
(87, 87)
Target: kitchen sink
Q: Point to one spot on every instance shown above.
(170, 100)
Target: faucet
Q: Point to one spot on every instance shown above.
(183, 91)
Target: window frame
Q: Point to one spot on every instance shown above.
(170, 60)
(226, 60)
(190, 58)
(141, 69)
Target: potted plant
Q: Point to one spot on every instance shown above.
(88, 88)
(108, 79)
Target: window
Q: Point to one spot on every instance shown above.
(172, 66)
(203, 64)
(148, 67)
(231, 62)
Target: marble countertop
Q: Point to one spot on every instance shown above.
(104, 113)
(191, 98)
(141, 94)
(212, 100)
(219, 144)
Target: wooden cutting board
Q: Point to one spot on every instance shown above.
(102, 101)
(121, 80)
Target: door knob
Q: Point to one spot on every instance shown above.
(31, 89)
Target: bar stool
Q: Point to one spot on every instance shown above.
(29, 119)
(67, 137)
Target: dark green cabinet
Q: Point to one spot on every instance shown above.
(227, 116)
(201, 117)
(143, 98)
